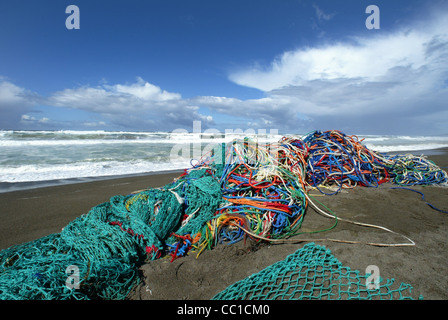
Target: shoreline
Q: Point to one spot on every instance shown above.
(6, 187)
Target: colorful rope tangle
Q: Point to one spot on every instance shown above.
(265, 186)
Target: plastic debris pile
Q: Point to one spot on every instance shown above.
(335, 158)
(242, 189)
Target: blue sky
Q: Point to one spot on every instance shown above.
(293, 66)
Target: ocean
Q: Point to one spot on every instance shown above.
(39, 158)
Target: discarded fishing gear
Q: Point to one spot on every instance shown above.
(423, 198)
(261, 194)
(335, 158)
(241, 189)
(313, 273)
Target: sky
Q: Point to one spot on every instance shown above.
(288, 65)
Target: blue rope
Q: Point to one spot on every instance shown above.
(423, 198)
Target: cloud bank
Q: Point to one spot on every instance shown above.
(14, 103)
(394, 83)
(387, 82)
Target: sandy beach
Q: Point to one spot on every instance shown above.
(30, 214)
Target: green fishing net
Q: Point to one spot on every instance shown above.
(312, 272)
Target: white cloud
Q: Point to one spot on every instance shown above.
(321, 15)
(14, 102)
(369, 59)
(269, 112)
(137, 105)
(118, 98)
(25, 118)
(13, 95)
(145, 91)
(94, 124)
(387, 78)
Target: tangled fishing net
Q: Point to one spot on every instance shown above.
(242, 189)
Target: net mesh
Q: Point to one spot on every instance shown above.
(312, 272)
